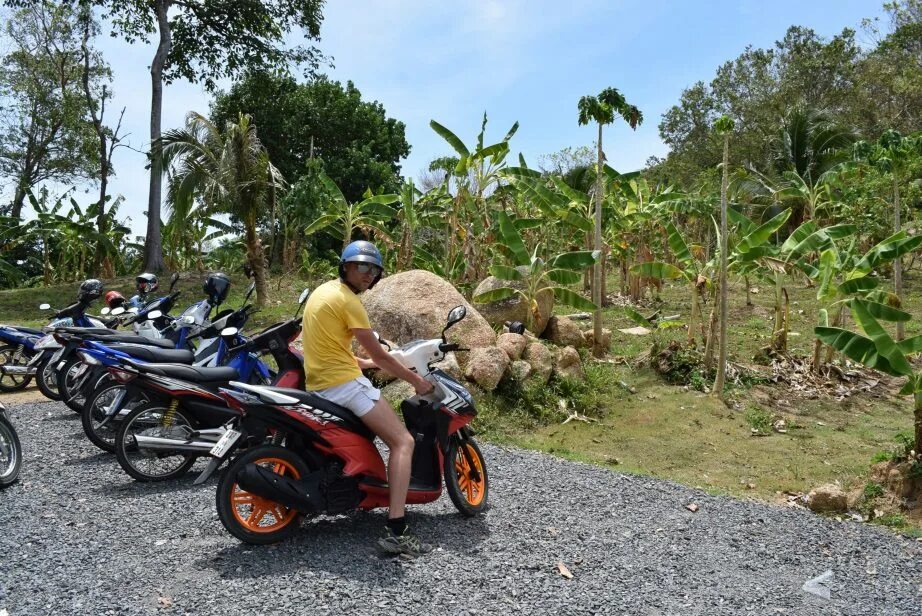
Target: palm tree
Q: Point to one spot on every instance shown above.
(601, 109)
(230, 172)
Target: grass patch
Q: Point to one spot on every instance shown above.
(759, 420)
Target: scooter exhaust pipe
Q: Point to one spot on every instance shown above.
(156, 443)
(287, 491)
(18, 370)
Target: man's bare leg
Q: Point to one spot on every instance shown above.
(383, 421)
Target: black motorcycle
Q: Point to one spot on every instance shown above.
(10, 451)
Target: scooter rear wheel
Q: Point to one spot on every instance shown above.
(11, 382)
(466, 479)
(251, 518)
(147, 465)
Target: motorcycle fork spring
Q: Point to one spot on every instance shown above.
(170, 414)
(18, 353)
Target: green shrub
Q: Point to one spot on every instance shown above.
(882, 456)
(873, 490)
(891, 519)
(759, 420)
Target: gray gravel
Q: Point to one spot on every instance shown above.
(77, 536)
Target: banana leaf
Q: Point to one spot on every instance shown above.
(451, 138)
(561, 276)
(577, 260)
(762, 233)
(860, 349)
(569, 298)
(504, 272)
(512, 239)
(678, 246)
(495, 295)
(657, 270)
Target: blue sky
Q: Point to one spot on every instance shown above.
(526, 61)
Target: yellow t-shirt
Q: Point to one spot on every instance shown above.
(332, 311)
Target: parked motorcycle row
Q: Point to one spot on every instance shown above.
(164, 391)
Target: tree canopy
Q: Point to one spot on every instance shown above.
(359, 145)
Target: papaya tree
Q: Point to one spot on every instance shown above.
(601, 109)
(534, 275)
(892, 154)
(876, 349)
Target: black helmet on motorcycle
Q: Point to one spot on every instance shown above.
(146, 283)
(361, 252)
(216, 288)
(89, 290)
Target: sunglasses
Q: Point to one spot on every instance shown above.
(364, 268)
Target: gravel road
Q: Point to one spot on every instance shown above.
(78, 536)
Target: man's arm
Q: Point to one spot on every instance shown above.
(382, 359)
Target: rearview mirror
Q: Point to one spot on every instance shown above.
(105, 310)
(154, 315)
(173, 280)
(44, 306)
(249, 291)
(117, 311)
(457, 313)
(303, 295)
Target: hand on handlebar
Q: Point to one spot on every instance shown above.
(423, 387)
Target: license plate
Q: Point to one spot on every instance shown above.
(224, 444)
(57, 355)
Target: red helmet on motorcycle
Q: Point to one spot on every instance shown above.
(114, 299)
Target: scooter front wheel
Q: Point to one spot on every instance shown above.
(47, 380)
(10, 453)
(466, 479)
(249, 517)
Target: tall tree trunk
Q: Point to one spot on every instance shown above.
(597, 267)
(19, 200)
(722, 349)
(153, 247)
(257, 263)
(898, 262)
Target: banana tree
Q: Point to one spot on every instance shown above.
(478, 173)
(756, 254)
(876, 349)
(342, 218)
(534, 275)
(686, 266)
(839, 272)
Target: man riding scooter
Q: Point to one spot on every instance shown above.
(334, 316)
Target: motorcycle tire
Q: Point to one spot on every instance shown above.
(10, 454)
(94, 412)
(47, 380)
(466, 478)
(66, 381)
(10, 382)
(148, 466)
(251, 518)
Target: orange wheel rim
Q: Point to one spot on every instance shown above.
(258, 514)
(471, 480)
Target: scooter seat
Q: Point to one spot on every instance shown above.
(161, 343)
(155, 355)
(29, 330)
(86, 331)
(322, 404)
(194, 374)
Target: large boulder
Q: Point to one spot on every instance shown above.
(519, 371)
(568, 364)
(513, 344)
(487, 366)
(564, 332)
(541, 360)
(514, 308)
(415, 305)
(589, 336)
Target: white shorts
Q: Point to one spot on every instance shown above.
(357, 395)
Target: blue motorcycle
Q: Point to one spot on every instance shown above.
(107, 402)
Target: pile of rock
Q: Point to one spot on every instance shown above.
(415, 304)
